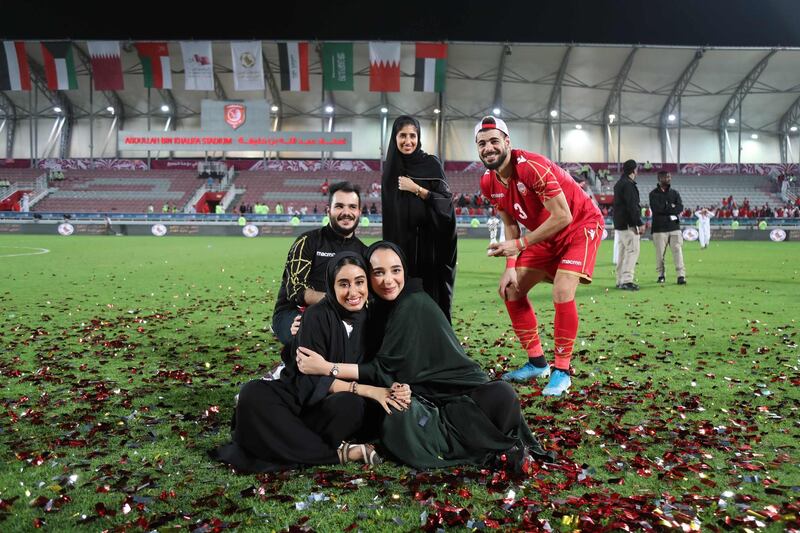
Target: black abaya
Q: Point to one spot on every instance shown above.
(294, 421)
(424, 229)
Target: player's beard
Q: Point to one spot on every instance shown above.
(501, 158)
(340, 230)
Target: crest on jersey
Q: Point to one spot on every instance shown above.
(521, 159)
(521, 188)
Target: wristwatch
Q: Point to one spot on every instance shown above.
(335, 370)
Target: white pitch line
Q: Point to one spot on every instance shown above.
(39, 251)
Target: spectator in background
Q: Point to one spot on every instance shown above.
(704, 216)
(324, 187)
(165, 208)
(279, 208)
(373, 210)
(667, 205)
(628, 225)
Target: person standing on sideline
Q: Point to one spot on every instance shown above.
(628, 225)
(704, 216)
(564, 231)
(666, 205)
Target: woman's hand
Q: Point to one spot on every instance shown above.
(295, 327)
(401, 393)
(311, 363)
(383, 396)
(405, 183)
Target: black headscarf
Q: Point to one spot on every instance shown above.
(322, 330)
(402, 210)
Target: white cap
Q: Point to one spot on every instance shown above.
(491, 123)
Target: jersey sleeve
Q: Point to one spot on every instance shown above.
(298, 266)
(540, 178)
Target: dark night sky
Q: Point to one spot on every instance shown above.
(670, 22)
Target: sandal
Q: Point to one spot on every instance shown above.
(369, 456)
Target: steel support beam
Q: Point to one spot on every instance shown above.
(10, 113)
(672, 101)
(613, 104)
(789, 119)
(498, 84)
(275, 93)
(112, 97)
(554, 104)
(56, 98)
(736, 99)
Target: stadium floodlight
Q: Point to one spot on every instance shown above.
(384, 110)
(793, 129)
(611, 117)
(274, 108)
(496, 111)
(731, 120)
(57, 109)
(165, 108)
(578, 127)
(671, 117)
(436, 111)
(329, 109)
(110, 109)
(553, 113)
(754, 136)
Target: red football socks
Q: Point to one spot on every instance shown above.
(523, 320)
(566, 329)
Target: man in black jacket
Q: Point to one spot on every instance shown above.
(666, 204)
(628, 225)
(303, 281)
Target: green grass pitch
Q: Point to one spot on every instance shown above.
(121, 356)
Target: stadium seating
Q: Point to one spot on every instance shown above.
(94, 191)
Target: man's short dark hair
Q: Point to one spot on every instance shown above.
(662, 173)
(344, 186)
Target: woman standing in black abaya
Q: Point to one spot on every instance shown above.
(418, 211)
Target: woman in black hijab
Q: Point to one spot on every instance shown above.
(300, 419)
(457, 415)
(418, 211)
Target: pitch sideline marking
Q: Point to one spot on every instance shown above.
(39, 251)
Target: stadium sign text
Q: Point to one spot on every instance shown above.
(201, 141)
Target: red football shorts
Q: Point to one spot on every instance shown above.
(575, 254)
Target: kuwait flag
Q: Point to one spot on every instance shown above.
(294, 66)
(155, 65)
(106, 65)
(431, 67)
(59, 67)
(14, 72)
(384, 67)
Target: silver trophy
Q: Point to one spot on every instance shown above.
(494, 226)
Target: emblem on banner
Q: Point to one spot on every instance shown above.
(235, 115)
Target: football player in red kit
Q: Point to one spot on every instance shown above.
(564, 231)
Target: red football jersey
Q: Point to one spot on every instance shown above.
(535, 179)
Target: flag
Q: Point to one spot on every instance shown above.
(431, 67)
(59, 66)
(155, 65)
(14, 72)
(384, 67)
(248, 66)
(106, 65)
(294, 66)
(198, 65)
(337, 66)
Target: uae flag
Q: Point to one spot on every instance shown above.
(294, 66)
(155, 65)
(59, 66)
(384, 67)
(106, 65)
(14, 72)
(431, 67)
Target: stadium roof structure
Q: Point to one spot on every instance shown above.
(720, 89)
